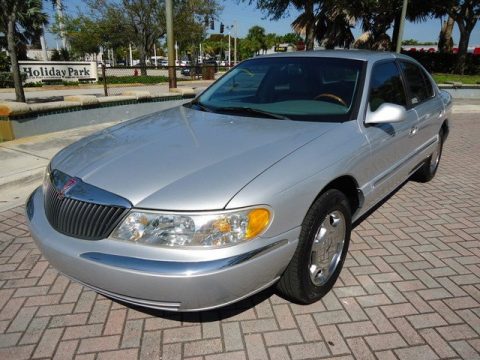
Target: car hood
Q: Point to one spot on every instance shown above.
(184, 159)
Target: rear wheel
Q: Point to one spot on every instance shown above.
(321, 250)
(429, 168)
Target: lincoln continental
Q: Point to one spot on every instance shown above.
(255, 183)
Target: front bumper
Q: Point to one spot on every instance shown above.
(163, 278)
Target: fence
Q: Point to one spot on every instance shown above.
(118, 80)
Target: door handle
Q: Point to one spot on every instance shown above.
(413, 130)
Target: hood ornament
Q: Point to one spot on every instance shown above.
(68, 185)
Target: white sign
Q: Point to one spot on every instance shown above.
(37, 71)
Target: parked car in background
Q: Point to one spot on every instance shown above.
(191, 70)
(255, 182)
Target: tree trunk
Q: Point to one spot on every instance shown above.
(12, 49)
(310, 26)
(143, 59)
(459, 67)
(445, 41)
(396, 30)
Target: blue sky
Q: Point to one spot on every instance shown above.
(247, 16)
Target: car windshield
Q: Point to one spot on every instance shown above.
(298, 88)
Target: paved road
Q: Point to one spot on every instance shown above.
(410, 290)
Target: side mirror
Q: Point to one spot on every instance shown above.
(386, 113)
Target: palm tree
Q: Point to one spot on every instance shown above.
(21, 21)
(257, 39)
(334, 26)
(445, 41)
(277, 9)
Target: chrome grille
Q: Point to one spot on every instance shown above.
(80, 219)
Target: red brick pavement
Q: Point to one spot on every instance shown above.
(410, 290)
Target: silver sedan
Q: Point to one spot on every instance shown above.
(255, 182)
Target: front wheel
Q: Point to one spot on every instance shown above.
(321, 251)
(429, 168)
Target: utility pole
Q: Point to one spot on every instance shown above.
(172, 75)
(176, 54)
(229, 49)
(402, 25)
(235, 43)
(155, 54)
(131, 57)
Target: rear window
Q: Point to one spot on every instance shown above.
(418, 83)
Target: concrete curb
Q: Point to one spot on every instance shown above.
(82, 99)
(11, 113)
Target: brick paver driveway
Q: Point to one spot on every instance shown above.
(410, 290)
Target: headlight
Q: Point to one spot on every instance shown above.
(181, 230)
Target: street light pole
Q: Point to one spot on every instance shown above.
(130, 53)
(155, 54)
(229, 49)
(402, 25)
(172, 75)
(235, 43)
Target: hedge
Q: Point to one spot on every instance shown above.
(444, 63)
(6, 79)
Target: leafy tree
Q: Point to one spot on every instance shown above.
(62, 55)
(189, 16)
(144, 22)
(82, 33)
(465, 13)
(290, 38)
(21, 21)
(271, 40)
(256, 39)
(4, 62)
(276, 9)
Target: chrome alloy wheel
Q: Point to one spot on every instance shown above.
(435, 157)
(327, 248)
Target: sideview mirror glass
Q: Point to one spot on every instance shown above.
(386, 113)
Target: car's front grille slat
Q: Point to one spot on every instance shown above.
(80, 219)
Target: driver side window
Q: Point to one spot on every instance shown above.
(386, 86)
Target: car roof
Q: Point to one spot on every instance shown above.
(363, 55)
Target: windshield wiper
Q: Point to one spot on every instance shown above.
(250, 110)
(201, 106)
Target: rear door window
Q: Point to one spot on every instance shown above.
(386, 86)
(418, 83)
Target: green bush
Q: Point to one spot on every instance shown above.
(4, 61)
(33, 84)
(134, 79)
(6, 79)
(444, 63)
(70, 83)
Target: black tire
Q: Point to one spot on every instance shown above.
(297, 282)
(429, 168)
